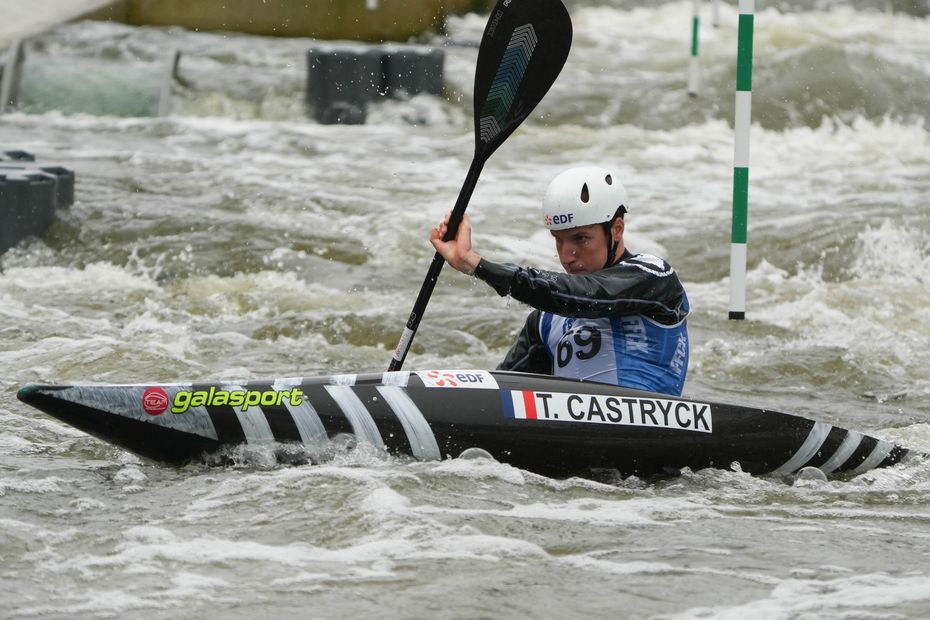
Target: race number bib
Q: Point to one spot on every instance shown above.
(582, 349)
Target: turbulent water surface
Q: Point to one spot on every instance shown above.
(237, 238)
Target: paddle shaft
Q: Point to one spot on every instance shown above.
(429, 283)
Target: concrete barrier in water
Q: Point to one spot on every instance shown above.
(356, 20)
(343, 79)
(408, 70)
(30, 193)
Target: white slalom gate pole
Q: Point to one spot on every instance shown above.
(694, 67)
(715, 20)
(743, 117)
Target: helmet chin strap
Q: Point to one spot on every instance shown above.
(611, 253)
(612, 244)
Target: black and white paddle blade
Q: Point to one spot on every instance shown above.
(525, 45)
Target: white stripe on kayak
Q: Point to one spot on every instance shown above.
(195, 419)
(307, 420)
(419, 434)
(253, 421)
(343, 379)
(879, 453)
(362, 423)
(807, 450)
(399, 378)
(842, 454)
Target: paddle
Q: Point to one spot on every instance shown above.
(522, 51)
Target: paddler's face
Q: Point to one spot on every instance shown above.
(583, 249)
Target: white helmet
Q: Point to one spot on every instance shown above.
(583, 196)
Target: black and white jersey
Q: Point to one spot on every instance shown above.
(625, 325)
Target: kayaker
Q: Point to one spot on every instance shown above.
(614, 317)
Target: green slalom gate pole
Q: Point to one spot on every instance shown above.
(742, 119)
(694, 67)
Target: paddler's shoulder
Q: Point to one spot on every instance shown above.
(646, 262)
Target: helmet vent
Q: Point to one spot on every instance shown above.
(609, 179)
(584, 193)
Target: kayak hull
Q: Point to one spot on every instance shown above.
(552, 426)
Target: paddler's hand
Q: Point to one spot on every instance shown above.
(457, 252)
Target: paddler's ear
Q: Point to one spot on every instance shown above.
(617, 228)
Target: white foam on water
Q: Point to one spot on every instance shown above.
(776, 31)
(879, 322)
(149, 534)
(384, 502)
(187, 585)
(891, 252)
(418, 111)
(13, 444)
(798, 528)
(13, 525)
(474, 547)
(302, 578)
(130, 474)
(267, 292)
(619, 568)
(86, 504)
(102, 603)
(634, 511)
(159, 553)
(193, 552)
(182, 588)
(858, 596)
(40, 486)
(230, 492)
(589, 562)
(101, 276)
(480, 469)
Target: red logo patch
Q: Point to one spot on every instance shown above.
(444, 379)
(155, 401)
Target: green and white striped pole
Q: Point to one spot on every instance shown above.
(742, 119)
(694, 67)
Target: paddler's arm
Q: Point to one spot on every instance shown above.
(460, 255)
(627, 287)
(652, 290)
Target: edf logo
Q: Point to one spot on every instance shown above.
(560, 218)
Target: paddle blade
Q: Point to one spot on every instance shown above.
(524, 47)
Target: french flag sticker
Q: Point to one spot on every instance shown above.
(520, 405)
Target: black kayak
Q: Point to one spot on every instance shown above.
(547, 425)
